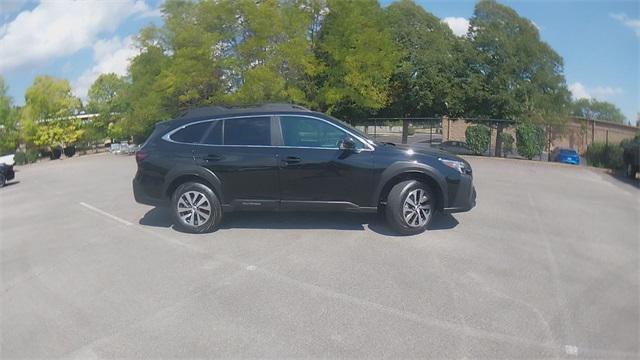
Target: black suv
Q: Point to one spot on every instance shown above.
(284, 157)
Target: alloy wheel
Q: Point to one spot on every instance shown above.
(193, 208)
(416, 210)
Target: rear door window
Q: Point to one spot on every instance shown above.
(191, 133)
(248, 131)
(214, 134)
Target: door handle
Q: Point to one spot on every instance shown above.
(212, 157)
(289, 160)
(206, 157)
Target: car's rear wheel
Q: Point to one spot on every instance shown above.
(410, 207)
(3, 180)
(196, 208)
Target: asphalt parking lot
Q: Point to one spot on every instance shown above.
(546, 266)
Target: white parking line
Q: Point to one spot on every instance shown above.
(102, 212)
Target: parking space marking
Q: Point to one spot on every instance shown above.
(102, 212)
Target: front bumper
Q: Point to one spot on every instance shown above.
(571, 161)
(10, 174)
(464, 198)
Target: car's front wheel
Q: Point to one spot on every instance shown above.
(196, 208)
(3, 180)
(410, 207)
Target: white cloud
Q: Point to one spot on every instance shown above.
(110, 56)
(535, 25)
(579, 91)
(605, 91)
(59, 28)
(634, 24)
(458, 25)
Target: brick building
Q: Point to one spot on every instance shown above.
(578, 133)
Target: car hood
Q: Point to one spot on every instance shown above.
(418, 153)
(427, 151)
(7, 159)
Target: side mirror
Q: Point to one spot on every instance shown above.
(347, 144)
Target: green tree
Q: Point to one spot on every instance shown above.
(105, 99)
(598, 110)
(272, 53)
(513, 74)
(358, 56)
(105, 94)
(147, 99)
(8, 121)
(423, 82)
(478, 138)
(47, 117)
(227, 52)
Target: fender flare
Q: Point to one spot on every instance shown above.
(197, 171)
(401, 167)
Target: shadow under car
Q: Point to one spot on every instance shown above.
(161, 217)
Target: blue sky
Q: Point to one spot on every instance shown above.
(599, 41)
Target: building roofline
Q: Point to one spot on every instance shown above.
(606, 122)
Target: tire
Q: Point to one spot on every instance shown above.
(3, 180)
(182, 208)
(402, 215)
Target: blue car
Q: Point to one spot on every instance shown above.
(567, 156)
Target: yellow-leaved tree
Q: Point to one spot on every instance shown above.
(48, 115)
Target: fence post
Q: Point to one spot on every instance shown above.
(405, 130)
(430, 133)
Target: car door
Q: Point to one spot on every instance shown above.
(314, 172)
(240, 153)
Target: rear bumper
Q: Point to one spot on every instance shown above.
(143, 197)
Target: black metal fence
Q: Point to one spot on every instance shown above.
(428, 131)
(425, 131)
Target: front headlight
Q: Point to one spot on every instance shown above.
(457, 165)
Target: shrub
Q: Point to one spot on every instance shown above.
(32, 156)
(69, 151)
(22, 158)
(605, 155)
(56, 152)
(478, 138)
(530, 140)
(507, 142)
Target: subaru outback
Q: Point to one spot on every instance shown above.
(281, 157)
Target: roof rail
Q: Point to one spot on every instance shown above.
(218, 110)
(280, 106)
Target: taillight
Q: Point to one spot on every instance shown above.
(140, 155)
